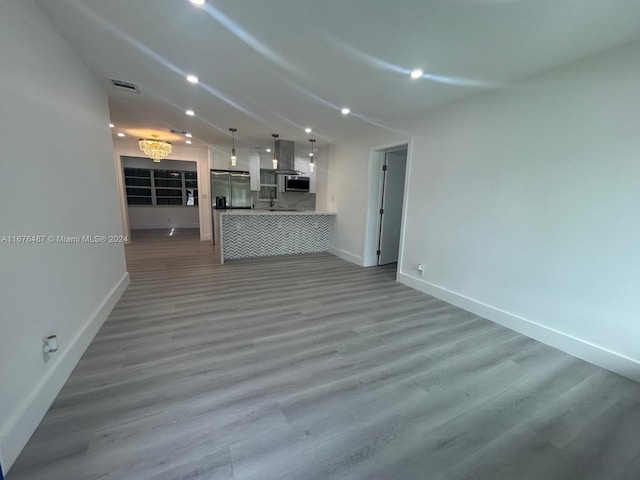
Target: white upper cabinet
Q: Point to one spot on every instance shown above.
(220, 158)
(247, 160)
(252, 160)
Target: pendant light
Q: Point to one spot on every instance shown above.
(233, 149)
(312, 156)
(275, 158)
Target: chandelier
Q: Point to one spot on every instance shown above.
(155, 149)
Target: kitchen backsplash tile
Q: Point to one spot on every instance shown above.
(297, 200)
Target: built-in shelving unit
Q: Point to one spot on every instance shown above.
(268, 185)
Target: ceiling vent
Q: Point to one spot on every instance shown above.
(179, 132)
(127, 86)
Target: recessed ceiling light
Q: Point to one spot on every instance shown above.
(199, 3)
(191, 113)
(188, 142)
(120, 134)
(192, 79)
(111, 125)
(188, 135)
(346, 111)
(308, 130)
(268, 150)
(417, 73)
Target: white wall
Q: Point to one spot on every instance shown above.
(347, 194)
(58, 178)
(129, 147)
(165, 216)
(322, 178)
(522, 206)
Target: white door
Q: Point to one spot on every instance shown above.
(395, 165)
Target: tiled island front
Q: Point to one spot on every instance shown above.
(259, 233)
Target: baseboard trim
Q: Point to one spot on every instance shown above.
(24, 422)
(590, 352)
(348, 256)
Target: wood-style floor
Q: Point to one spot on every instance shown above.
(309, 367)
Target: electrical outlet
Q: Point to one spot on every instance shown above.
(420, 270)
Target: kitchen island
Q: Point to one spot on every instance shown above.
(260, 233)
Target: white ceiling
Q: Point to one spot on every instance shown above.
(281, 65)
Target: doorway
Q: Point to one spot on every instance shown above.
(388, 173)
(391, 203)
(161, 198)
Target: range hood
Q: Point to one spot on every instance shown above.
(285, 153)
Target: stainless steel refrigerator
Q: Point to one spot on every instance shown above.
(229, 189)
(232, 186)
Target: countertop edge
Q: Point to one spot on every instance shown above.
(269, 213)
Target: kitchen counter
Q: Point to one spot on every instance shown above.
(259, 233)
(273, 212)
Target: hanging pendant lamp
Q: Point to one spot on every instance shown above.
(233, 149)
(312, 157)
(275, 158)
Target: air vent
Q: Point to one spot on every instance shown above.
(127, 86)
(179, 132)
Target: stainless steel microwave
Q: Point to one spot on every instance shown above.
(296, 183)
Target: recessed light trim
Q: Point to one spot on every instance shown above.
(111, 125)
(268, 150)
(191, 113)
(198, 3)
(188, 135)
(192, 79)
(346, 111)
(120, 134)
(308, 130)
(417, 73)
(188, 142)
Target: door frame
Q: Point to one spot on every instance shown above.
(204, 188)
(372, 224)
